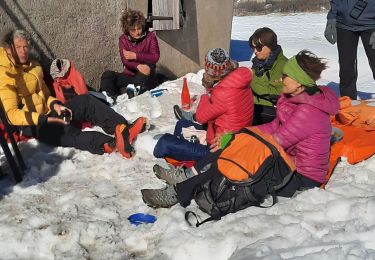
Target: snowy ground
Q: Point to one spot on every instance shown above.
(74, 205)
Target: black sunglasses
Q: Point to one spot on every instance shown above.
(259, 47)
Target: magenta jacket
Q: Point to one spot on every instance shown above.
(229, 106)
(147, 51)
(303, 128)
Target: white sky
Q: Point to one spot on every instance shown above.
(74, 205)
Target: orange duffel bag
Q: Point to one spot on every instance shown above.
(357, 113)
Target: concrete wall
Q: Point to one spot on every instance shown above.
(183, 50)
(87, 32)
(83, 31)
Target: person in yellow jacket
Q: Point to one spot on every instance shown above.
(35, 113)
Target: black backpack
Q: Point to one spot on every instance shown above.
(271, 171)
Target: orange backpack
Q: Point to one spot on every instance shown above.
(249, 170)
(356, 113)
(249, 153)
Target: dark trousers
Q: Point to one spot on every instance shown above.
(177, 147)
(186, 190)
(347, 43)
(263, 114)
(115, 83)
(298, 182)
(84, 108)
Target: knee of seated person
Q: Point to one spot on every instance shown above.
(107, 74)
(163, 145)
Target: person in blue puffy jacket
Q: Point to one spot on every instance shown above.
(347, 21)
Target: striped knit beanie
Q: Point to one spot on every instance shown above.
(217, 63)
(59, 68)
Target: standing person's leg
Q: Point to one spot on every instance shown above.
(370, 52)
(347, 43)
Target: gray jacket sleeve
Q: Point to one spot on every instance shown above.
(334, 7)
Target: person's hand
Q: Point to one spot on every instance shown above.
(216, 143)
(144, 69)
(56, 120)
(59, 108)
(330, 32)
(372, 40)
(130, 55)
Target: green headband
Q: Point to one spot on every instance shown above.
(293, 70)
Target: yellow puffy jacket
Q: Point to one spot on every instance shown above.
(23, 92)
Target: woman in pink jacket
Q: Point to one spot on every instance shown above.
(139, 52)
(302, 127)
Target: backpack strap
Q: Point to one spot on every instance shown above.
(198, 223)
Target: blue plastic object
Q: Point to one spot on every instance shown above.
(240, 50)
(140, 218)
(157, 92)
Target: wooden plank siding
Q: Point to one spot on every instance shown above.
(168, 8)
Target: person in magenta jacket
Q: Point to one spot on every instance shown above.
(139, 52)
(228, 106)
(302, 127)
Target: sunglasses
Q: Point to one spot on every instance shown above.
(259, 47)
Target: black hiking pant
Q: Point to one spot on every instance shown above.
(85, 108)
(115, 83)
(298, 182)
(347, 44)
(186, 190)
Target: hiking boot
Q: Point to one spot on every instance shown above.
(122, 141)
(109, 147)
(172, 176)
(132, 90)
(160, 198)
(181, 114)
(137, 127)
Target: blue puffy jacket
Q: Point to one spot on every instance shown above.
(340, 10)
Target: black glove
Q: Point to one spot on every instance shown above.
(330, 32)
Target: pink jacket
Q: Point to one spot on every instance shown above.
(302, 127)
(147, 51)
(229, 106)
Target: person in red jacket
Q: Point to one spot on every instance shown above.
(67, 81)
(228, 106)
(139, 52)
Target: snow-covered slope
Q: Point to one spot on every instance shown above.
(74, 205)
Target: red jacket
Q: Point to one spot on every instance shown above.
(73, 79)
(229, 106)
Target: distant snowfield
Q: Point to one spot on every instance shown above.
(74, 205)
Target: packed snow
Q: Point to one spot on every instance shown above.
(74, 205)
